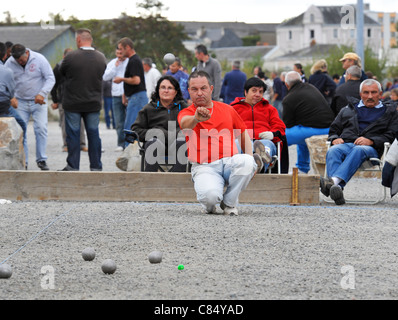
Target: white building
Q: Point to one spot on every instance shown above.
(323, 25)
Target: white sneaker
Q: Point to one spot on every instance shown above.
(119, 149)
(229, 211)
(260, 149)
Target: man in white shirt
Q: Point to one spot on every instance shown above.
(116, 68)
(152, 75)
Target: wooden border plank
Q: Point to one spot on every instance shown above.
(143, 186)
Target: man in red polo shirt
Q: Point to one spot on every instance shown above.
(211, 128)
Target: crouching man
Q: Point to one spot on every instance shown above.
(210, 128)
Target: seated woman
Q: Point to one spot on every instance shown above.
(262, 120)
(157, 126)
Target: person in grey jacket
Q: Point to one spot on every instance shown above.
(34, 79)
(211, 66)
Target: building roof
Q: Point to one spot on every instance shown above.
(331, 15)
(241, 53)
(32, 37)
(309, 52)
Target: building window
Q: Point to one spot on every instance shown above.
(312, 18)
(335, 33)
(352, 33)
(290, 35)
(312, 34)
(369, 33)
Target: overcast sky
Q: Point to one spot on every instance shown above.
(249, 11)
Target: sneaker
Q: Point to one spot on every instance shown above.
(84, 148)
(326, 184)
(260, 149)
(212, 211)
(229, 211)
(43, 165)
(119, 149)
(336, 193)
(259, 162)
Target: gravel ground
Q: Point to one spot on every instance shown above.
(267, 252)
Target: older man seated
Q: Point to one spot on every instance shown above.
(357, 134)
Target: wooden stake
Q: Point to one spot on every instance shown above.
(294, 201)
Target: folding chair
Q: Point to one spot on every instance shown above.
(371, 165)
(276, 159)
(132, 137)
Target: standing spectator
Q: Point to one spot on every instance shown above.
(394, 94)
(83, 70)
(56, 95)
(269, 92)
(182, 78)
(117, 68)
(9, 45)
(107, 98)
(321, 80)
(336, 78)
(34, 79)
(211, 127)
(299, 68)
(233, 84)
(133, 82)
(256, 71)
(279, 93)
(350, 88)
(306, 113)
(348, 60)
(152, 75)
(8, 103)
(212, 68)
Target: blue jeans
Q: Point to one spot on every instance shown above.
(343, 160)
(135, 103)
(119, 112)
(297, 135)
(266, 143)
(39, 113)
(108, 112)
(72, 127)
(278, 105)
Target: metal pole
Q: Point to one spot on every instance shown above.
(360, 28)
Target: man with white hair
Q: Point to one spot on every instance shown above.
(350, 88)
(357, 134)
(306, 113)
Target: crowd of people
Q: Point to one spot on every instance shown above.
(227, 128)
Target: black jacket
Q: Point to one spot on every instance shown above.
(305, 105)
(155, 116)
(383, 130)
(347, 89)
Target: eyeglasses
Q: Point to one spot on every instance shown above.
(166, 88)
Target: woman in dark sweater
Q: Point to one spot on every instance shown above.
(322, 81)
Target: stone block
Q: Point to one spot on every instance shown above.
(12, 155)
